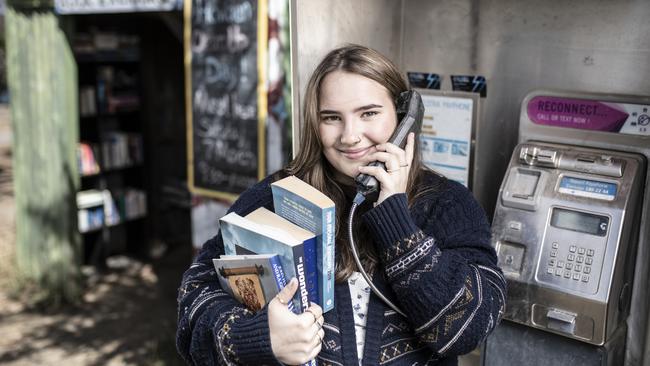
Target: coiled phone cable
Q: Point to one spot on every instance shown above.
(358, 200)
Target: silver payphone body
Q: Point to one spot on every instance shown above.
(571, 221)
(564, 230)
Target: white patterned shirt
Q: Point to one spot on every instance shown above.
(360, 295)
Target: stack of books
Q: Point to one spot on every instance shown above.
(265, 249)
(121, 149)
(99, 208)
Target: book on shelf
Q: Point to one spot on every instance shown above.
(87, 101)
(90, 198)
(98, 208)
(86, 158)
(307, 207)
(121, 149)
(90, 204)
(252, 279)
(116, 90)
(111, 213)
(263, 232)
(102, 41)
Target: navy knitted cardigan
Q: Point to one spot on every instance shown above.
(438, 266)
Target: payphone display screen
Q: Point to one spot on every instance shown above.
(579, 221)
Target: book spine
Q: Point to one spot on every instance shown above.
(302, 294)
(326, 264)
(278, 275)
(311, 269)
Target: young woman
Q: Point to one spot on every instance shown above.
(425, 243)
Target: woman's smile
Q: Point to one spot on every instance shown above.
(355, 154)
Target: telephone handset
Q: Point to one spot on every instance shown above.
(410, 111)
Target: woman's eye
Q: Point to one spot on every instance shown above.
(369, 114)
(330, 118)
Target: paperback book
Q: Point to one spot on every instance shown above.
(307, 207)
(252, 279)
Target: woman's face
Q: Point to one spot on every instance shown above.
(355, 114)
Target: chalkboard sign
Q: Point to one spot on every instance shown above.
(225, 104)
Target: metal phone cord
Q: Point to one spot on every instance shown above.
(358, 200)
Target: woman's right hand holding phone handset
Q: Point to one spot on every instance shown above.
(295, 338)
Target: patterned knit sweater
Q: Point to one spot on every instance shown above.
(438, 267)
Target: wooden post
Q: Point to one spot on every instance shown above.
(42, 81)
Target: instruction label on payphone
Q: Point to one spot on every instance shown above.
(562, 229)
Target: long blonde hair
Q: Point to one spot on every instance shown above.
(311, 165)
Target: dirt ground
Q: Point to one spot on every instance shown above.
(127, 315)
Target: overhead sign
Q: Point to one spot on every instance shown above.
(587, 114)
(115, 6)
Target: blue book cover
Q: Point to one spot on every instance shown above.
(268, 218)
(307, 207)
(244, 235)
(252, 279)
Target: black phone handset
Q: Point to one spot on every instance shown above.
(410, 112)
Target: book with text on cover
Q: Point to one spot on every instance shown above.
(252, 279)
(264, 232)
(307, 207)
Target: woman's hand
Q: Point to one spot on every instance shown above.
(295, 339)
(398, 165)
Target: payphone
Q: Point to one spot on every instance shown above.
(570, 227)
(564, 227)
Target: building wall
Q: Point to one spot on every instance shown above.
(584, 45)
(517, 45)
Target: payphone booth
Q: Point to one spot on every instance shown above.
(571, 231)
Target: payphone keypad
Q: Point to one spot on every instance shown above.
(571, 264)
(576, 264)
(573, 249)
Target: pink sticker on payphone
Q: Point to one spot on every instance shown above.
(576, 113)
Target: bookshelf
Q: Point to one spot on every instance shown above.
(113, 200)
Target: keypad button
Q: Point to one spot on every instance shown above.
(585, 278)
(569, 265)
(553, 253)
(572, 249)
(587, 270)
(580, 259)
(571, 257)
(560, 264)
(581, 250)
(558, 272)
(589, 260)
(590, 252)
(567, 274)
(577, 268)
(551, 262)
(549, 270)
(576, 276)
(555, 245)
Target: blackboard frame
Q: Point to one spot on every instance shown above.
(262, 46)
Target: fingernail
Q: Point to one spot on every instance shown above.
(293, 281)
